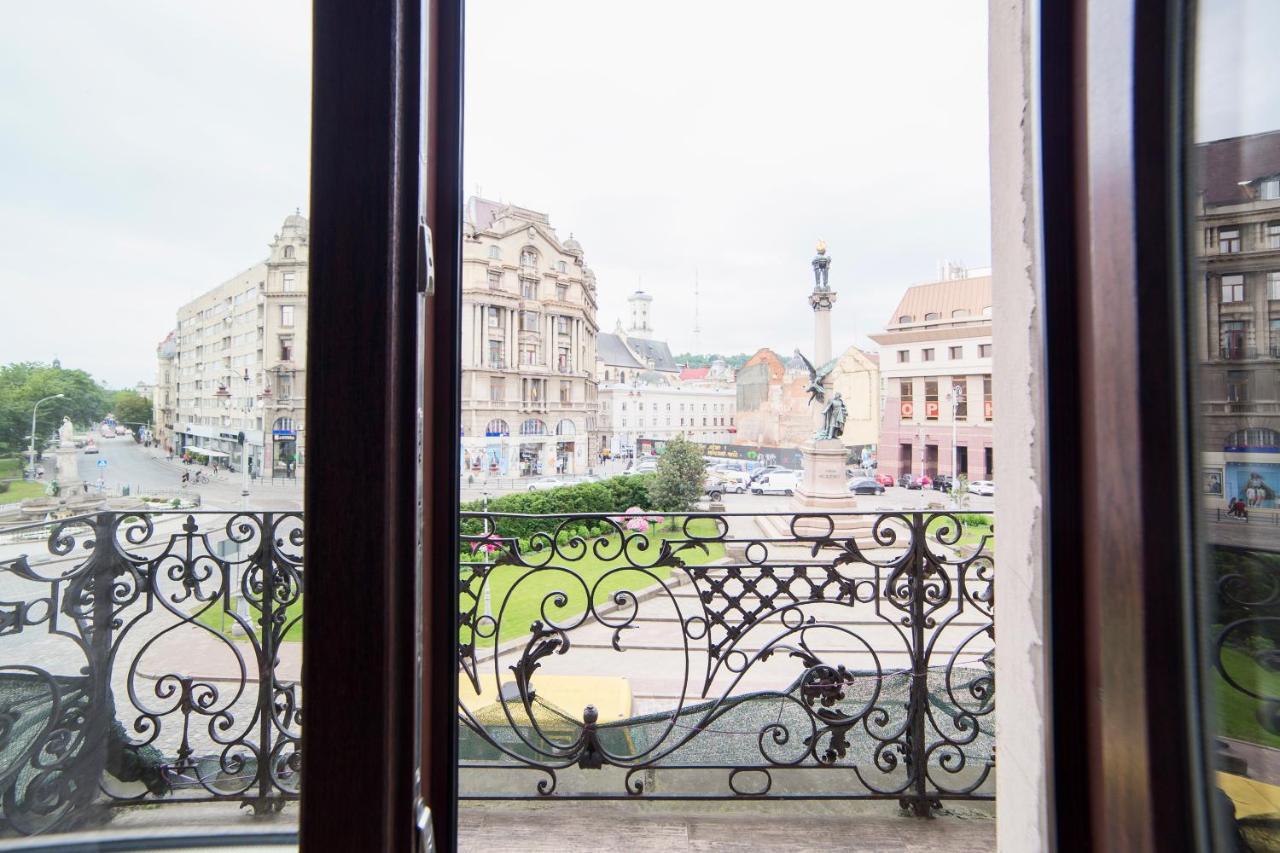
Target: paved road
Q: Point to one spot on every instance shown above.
(148, 469)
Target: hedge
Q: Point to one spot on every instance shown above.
(614, 496)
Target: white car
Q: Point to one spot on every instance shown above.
(777, 483)
(545, 483)
(733, 482)
(982, 487)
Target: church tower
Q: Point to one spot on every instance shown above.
(639, 303)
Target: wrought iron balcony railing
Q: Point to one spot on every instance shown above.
(727, 655)
(133, 648)
(154, 658)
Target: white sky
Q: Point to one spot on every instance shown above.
(149, 150)
(726, 138)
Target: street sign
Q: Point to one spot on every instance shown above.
(102, 463)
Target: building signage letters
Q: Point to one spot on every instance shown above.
(907, 409)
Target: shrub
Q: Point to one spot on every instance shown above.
(611, 496)
(4, 486)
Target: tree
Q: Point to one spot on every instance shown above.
(22, 384)
(130, 407)
(677, 484)
(704, 360)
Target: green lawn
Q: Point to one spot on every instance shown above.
(523, 606)
(1238, 713)
(216, 618)
(20, 490)
(10, 468)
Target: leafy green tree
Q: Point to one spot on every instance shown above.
(130, 407)
(677, 484)
(24, 383)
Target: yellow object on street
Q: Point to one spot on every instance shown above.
(1251, 797)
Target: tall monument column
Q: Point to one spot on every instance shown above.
(821, 300)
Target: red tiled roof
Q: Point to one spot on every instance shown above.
(694, 373)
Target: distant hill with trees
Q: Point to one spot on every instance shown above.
(690, 360)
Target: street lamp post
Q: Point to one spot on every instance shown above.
(957, 396)
(32, 446)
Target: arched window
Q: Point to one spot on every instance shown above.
(495, 253)
(986, 312)
(533, 426)
(932, 315)
(606, 375)
(905, 318)
(529, 257)
(1258, 437)
(288, 252)
(497, 426)
(562, 267)
(565, 427)
(622, 376)
(960, 312)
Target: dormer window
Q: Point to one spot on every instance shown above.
(905, 318)
(932, 315)
(562, 266)
(288, 252)
(1269, 188)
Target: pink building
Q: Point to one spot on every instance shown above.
(935, 366)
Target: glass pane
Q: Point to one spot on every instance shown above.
(1235, 342)
(692, 468)
(152, 415)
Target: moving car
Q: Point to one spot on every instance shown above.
(777, 483)
(764, 471)
(545, 483)
(866, 486)
(982, 487)
(884, 479)
(90, 447)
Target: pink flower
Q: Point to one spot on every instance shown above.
(635, 519)
(489, 543)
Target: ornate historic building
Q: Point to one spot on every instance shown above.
(238, 372)
(935, 363)
(1239, 317)
(528, 346)
(643, 398)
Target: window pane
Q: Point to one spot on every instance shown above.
(1236, 409)
(715, 373)
(156, 247)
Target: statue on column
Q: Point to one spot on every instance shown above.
(834, 412)
(66, 433)
(821, 263)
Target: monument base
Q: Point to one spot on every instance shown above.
(823, 491)
(67, 470)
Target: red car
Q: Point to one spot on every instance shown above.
(884, 479)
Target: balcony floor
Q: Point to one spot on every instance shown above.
(794, 826)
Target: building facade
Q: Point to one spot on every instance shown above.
(529, 401)
(774, 410)
(162, 400)
(935, 365)
(1238, 311)
(643, 398)
(239, 367)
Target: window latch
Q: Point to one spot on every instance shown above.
(426, 260)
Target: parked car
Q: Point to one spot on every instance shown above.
(943, 483)
(884, 479)
(866, 486)
(645, 466)
(764, 471)
(545, 483)
(734, 482)
(982, 487)
(777, 483)
(906, 480)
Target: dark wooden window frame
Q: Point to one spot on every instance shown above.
(1128, 762)
(386, 165)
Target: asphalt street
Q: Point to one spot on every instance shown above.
(145, 469)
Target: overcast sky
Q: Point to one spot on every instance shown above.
(150, 150)
(722, 139)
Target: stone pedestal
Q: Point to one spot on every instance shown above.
(67, 470)
(824, 490)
